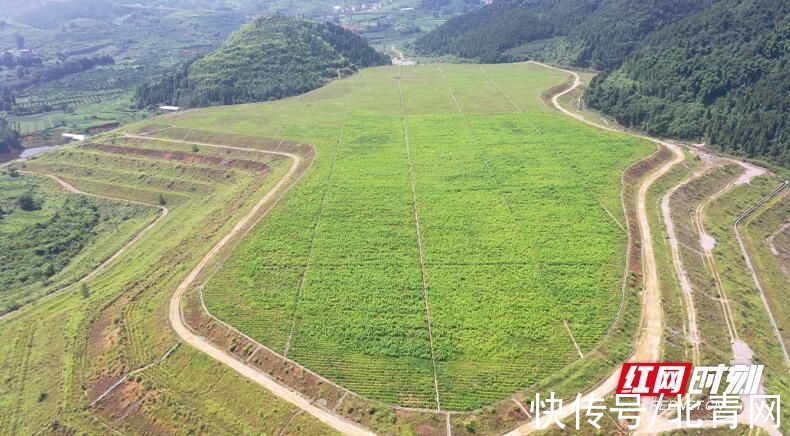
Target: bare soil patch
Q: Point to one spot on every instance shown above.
(180, 156)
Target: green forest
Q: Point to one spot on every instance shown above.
(270, 58)
(720, 76)
(594, 33)
(713, 71)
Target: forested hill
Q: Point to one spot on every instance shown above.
(270, 58)
(713, 71)
(721, 76)
(596, 33)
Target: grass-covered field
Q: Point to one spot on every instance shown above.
(512, 202)
(516, 256)
(62, 353)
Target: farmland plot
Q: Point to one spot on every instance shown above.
(460, 292)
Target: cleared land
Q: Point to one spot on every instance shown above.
(514, 237)
(391, 245)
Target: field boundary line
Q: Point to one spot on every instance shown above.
(123, 379)
(419, 238)
(70, 188)
(472, 132)
(499, 88)
(616, 221)
(242, 227)
(626, 228)
(753, 272)
(570, 333)
(316, 223)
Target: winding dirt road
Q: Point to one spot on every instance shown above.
(680, 271)
(246, 222)
(648, 345)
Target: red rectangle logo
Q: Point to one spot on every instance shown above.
(654, 379)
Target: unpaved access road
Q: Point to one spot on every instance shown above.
(680, 271)
(648, 345)
(187, 335)
(70, 188)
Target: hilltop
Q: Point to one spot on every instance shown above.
(270, 58)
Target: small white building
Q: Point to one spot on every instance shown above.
(74, 136)
(169, 108)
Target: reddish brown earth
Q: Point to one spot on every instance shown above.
(180, 156)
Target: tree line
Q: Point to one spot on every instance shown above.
(720, 77)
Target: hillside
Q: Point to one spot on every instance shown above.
(719, 76)
(270, 58)
(711, 71)
(596, 33)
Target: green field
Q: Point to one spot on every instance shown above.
(61, 353)
(512, 203)
(59, 238)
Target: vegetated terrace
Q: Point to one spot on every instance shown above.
(456, 240)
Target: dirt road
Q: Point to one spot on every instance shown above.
(187, 335)
(70, 188)
(680, 271)
(648, 345)
(749, 264)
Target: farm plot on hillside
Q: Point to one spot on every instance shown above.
(115, 328)
(458, 241)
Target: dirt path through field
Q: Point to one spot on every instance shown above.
(648, 345)
(680, 271)
(294, 173)
(70, 188)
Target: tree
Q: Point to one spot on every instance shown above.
(162, 200)
(85, 290)
(9, 137)
(27, 203)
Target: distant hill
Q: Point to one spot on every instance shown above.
(713, 71)
(596, 33)
(270, 58)
(721, 76)
(51, 15)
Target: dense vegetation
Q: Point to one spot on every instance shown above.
(9, 136)
(38, 252)
(597, 33)
(270, 58)
(59, 70)
(720, 76)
